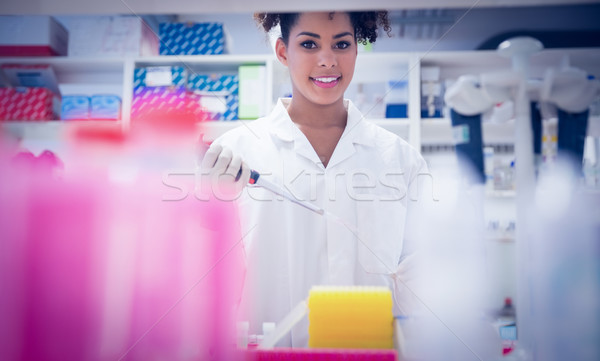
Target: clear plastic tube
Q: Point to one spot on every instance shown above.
(285, 325)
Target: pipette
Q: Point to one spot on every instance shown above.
(257, 180)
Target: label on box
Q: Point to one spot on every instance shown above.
(213, 102)
(159, 76)
(218, 94)
(460, 133)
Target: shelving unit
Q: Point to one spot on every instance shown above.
(115, 75)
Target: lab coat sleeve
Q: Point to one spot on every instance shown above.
(406, 277)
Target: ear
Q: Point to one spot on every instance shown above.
(281, 51)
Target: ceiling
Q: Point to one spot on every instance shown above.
(66, 7)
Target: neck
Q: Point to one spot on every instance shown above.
(306, 113)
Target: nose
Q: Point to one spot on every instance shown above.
(327, 58)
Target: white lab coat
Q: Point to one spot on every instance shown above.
(289, 248)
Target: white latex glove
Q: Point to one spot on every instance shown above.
(224, 172)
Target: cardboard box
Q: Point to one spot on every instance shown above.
(28, 104)
(105, 107)
(192, 39)
(32, 36)
(75, 107)
(217, 93)
(111, 36)
(34, 75)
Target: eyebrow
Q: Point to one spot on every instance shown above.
(337, 36)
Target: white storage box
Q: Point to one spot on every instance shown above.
(32, 36)
(111, 36)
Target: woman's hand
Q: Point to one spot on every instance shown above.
(225, 172)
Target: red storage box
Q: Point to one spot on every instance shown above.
(28, 104)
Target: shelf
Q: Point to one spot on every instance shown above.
(82, 75)
(594, 126)
(214, 129)
(101, 62)
(202, 59)
(383, 122)
(52, 129)
(439, 131)
(77, 70)
(500, 239)
(497, 193)
(456, 63)
(114, 62)
(204, 63)
(398, 126)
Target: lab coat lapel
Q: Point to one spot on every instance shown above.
(286, 130)
(343, 150)
(353, 134)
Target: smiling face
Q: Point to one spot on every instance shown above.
(320, 55)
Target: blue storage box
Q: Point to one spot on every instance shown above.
(75, 107)
(396, 99)
(177, 77)
(396, 111)
(192, 39)
(214, 82)
(218, 94)
(107, 107)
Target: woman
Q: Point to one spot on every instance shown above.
(318, 146)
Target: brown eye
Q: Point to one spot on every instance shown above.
(342, 45)
(309, 44)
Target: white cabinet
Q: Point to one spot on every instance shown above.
(116, 76)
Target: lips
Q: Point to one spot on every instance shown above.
(326, 81)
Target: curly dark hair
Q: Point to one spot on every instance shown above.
(365, 23)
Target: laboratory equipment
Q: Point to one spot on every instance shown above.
(256, 179)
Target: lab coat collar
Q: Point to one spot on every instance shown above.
(282, 126)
